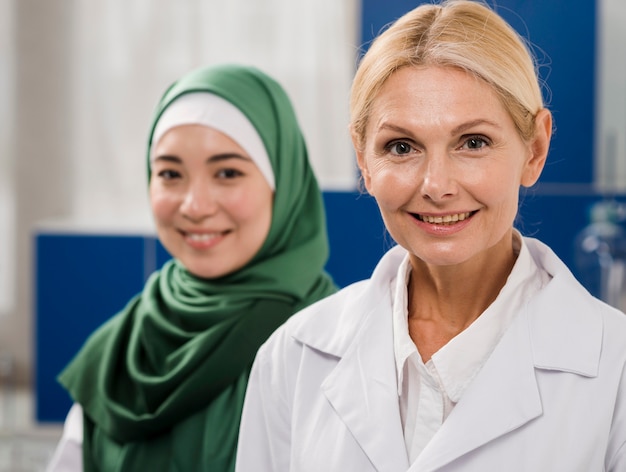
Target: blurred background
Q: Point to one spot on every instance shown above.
(79, 81)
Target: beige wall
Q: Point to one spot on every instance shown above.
(610, 138)
(86, 78)
(40, 142)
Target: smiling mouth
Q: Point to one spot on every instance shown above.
(444, 220)
(202, 237)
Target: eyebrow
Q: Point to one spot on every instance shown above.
(470, 124)
(457, 130)
(214, 158)
(166, 158)
(228, 155)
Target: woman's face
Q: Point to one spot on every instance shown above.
(445, 162)
(211, 204)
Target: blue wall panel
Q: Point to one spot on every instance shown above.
(80, 280)
(356, 235)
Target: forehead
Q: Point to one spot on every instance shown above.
(195, 134)
(436, 94)
(190, 143)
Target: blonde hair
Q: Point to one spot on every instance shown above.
(463, 34)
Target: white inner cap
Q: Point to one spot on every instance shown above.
(204, 108)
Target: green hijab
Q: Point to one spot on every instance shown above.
(162, 383)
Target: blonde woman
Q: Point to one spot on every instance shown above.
(471, 348)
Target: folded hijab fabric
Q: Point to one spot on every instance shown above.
(162, 383)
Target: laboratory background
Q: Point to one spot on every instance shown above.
(79, 81)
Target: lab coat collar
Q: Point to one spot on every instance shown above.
(558, 329)
(334, 330)
(568, 318)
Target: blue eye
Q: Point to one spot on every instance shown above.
(475, 142)
(400, 148)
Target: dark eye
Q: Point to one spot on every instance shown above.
(168, 174)
(400, 147)
(229, 173)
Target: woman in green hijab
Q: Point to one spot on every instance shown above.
(160, 386)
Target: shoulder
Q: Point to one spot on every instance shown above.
(330, 324)
(323, 325)
(68, 453)
(595, 330)
(565, 286)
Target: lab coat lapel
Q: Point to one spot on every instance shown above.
(363, 391)
(503, 397)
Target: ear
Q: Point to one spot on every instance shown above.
(362, 163)
(538, 148)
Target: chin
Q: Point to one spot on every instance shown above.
(442, 258)
(203, 271)
(442, 261)
(208, 274)
(210, 271)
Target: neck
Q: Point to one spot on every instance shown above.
(444, 300)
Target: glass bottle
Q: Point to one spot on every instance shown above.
(600, 253)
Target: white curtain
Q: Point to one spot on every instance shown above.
(125, 53)
(610, 161)
(7, 198)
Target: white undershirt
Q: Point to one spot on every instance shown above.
(428, 392)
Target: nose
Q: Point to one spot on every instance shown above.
(199, 202)
(438, 177)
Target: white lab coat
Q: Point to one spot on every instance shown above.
(552, 396)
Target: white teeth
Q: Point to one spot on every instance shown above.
(201, 237)
(447, 219)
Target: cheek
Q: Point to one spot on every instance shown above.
(500, 191)
(392, 185)
(162, 203)
(496, 179)
(249, 204)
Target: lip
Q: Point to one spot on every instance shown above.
(203, 239)
(443, 224)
